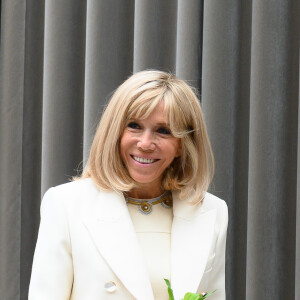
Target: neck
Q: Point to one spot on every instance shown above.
(140, 193)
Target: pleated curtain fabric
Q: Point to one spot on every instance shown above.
(60, 62)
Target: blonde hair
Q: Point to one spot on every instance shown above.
(191, 173)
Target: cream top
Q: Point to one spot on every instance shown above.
(154, 235)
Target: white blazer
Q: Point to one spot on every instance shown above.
(86, 239)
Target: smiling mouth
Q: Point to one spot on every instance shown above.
(144, 160)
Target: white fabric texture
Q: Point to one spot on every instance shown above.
(87, 239)
(154, 235)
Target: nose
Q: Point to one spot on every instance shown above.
(146, 142)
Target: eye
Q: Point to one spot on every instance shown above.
(133, 125)
(163, 130)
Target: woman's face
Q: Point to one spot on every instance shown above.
(148, 148)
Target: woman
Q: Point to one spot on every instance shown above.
(140, 211)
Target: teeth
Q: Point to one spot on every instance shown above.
(143, 160)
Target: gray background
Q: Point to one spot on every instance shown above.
(61, 61)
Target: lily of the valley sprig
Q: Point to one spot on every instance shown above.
(187, 296)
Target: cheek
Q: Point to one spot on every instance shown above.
(123, 145)
(178, 149)
(172, 150)
(127, 143)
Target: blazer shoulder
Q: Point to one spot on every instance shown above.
(73, 187)
(70, 192)
(211, 201)
(214, 201)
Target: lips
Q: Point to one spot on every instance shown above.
(143, 160)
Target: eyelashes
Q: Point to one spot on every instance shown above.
(161, 130)
(133, 125)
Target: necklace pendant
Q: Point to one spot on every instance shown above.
(167, 203)
(145, 208)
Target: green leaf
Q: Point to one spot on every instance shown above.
(208, 295)
(170, 291)
(191, 296)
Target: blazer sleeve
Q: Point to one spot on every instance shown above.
(217, 275)
(52, 271)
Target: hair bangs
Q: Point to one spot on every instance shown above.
(144, 105)
(176, 115)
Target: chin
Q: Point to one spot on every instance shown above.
(146, 180)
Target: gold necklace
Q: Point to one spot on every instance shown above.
(145, 206)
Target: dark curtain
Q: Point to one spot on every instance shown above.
(60, 61)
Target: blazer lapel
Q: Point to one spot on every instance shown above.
(108, 221)
(192, 236)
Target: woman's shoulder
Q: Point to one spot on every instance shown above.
(73, 187)
(211, 201)
(71, 192)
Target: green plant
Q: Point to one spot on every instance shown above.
(187, 296)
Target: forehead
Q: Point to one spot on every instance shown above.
(142, 109)
(158, 114)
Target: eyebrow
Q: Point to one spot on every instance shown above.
(163, 124)
(157, 124)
